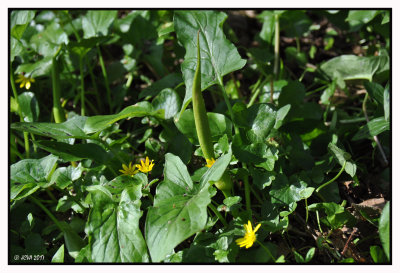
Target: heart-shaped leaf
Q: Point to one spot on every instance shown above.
(218, 56)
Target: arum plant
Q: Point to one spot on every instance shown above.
(203, 128)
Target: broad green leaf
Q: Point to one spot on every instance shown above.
(180, 146)
(64, 176)
(20, 19)
(39, 68)
(336, 215)
(29, 106)
(72, 128)
(219, 125)
(386, 102)
(73, 241)
(285, 191)
(375, 90)
(82, 47)
(358, 18)
(293, 93)
(180, 207)
(144, 108)
(295, 23)
(16, 48)
(48, 42)
(342, 157)
(169, 81)
(310, 254)
(75, 152)
(97, 22)
(261, 178)
(58, 257)
(268, 27)
(114, 227)
(372, 128)
(377, 254)
(219, 56)
(29, 175)
(384, 229)
(168, 100)
(351, 67)
(280, 115)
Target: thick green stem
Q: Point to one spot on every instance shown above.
(255, 95)
(82, 87)
(219, 215)
(103, 69)
(333, 179)
(21, 118)
(247, 191)
(58, 112)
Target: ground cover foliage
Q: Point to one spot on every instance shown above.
(298, 114)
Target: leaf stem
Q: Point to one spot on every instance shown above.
(58, 112)
(247, 190)
(228, 104)
(276, 47)
(82, 87)
(267, 250)
(21, 118)
(333, 179)
(103, 69)
(220, 217)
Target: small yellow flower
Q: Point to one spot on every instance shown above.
(249, 237)
(129, 170)
(146, 166)
(24, 81)
(210, 162)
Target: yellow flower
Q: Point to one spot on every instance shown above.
(146, 166)
(24, 81)
(249, 237)
(210, 162)
(129, 170)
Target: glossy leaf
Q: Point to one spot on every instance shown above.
(82, 47)
(384, 229)
(218, 56)
(29, 174)
(29, 106)
(97, 22)
(293, 93)
(372, 128)
(377, 254)
(358, 18)
(48, 42)
(168, 100)
(180, 207)
(64, 176)
(375, 90)
(336, 215)
(342, 156)
(37, 69)
(75, 152)
(285, 191)
(169, 81)
(114, 227)
(58, 257)
(19, 20)
(219, 125)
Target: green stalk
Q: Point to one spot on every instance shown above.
(276, 47)
(58, 112)
(220, 217)
(202, 126)
(333, 179)
(21, 118)
(51, 216)
(267, 250)
(82, 87)
(103, 69)
(247, 191)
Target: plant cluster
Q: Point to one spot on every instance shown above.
(202, 136)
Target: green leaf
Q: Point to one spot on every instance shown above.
(298, 257)
(309, 255)
(82, 47)
(293, 93)
(280, 115)
(295, 23)
(372, 128)
(47, 42)
(219, 56)
(384, 229)
(58, 257)
(351, 67)
(16, 48)
(268, 27)
(72, 128)
(286, 191)
(336, 215)
(219, 125)
(20, 19)
(113, 228)
(342, 157)
(73, 241)
(37, 69)
(29, 174)
(29, 106)
(375, 90)
(144, 108)
(377, 254)
(358, 18)
(97, 22)
(168, 100)
(260, 119)
(64, 176)
(180, 146)
(261, 178)
(74, 152)
(180, 207)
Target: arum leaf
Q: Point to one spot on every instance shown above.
(218, 56)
